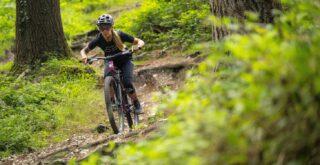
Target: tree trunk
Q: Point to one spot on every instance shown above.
(212, 25)
(39, 33)
(237, 8)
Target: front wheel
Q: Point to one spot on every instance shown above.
(113, 101)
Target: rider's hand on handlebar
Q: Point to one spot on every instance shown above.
(135, 48)
(85, 59)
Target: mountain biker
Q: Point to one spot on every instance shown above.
(112, 42)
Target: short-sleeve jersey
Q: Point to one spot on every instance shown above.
(109, 48)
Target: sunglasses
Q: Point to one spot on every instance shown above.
(104, 27)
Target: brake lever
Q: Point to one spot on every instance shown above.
(91, 60)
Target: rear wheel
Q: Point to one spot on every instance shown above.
(113, 104)
(131, 121)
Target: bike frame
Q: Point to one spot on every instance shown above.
(121, 100)
(116, 74)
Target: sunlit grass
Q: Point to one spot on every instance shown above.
(79, 114)
(6, 67)
(139, 62)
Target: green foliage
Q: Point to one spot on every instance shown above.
(167, 23)
(7, 23)
(6, 67)
(257, 104)
(47, 105)
(24, 110)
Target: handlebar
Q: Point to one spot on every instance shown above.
(112, 57)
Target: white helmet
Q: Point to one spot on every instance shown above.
(105, 19)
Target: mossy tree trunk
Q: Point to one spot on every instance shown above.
(39, 33)
(237, 8)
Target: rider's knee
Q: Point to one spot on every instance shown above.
(127, 83)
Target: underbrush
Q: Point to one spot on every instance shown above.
(167, 24)
(47, 105)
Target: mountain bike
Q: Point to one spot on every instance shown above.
(118, 104)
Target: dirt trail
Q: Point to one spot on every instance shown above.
(160, 72)
(78, 147)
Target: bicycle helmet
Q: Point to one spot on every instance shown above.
(105, 19)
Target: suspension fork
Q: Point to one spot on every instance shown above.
(120, 92)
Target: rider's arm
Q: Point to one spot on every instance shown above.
(84, 53)
(91, 45)
(136, 42)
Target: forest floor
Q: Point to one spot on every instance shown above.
(160, 71)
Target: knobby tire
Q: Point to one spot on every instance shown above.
(116, 124)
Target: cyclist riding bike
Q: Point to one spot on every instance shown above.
(112, 42)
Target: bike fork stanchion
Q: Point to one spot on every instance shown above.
(121, 110)
(136, 119)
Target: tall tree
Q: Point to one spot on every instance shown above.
(39, 32)
(237, 8)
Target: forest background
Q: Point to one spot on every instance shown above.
(253, 100)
